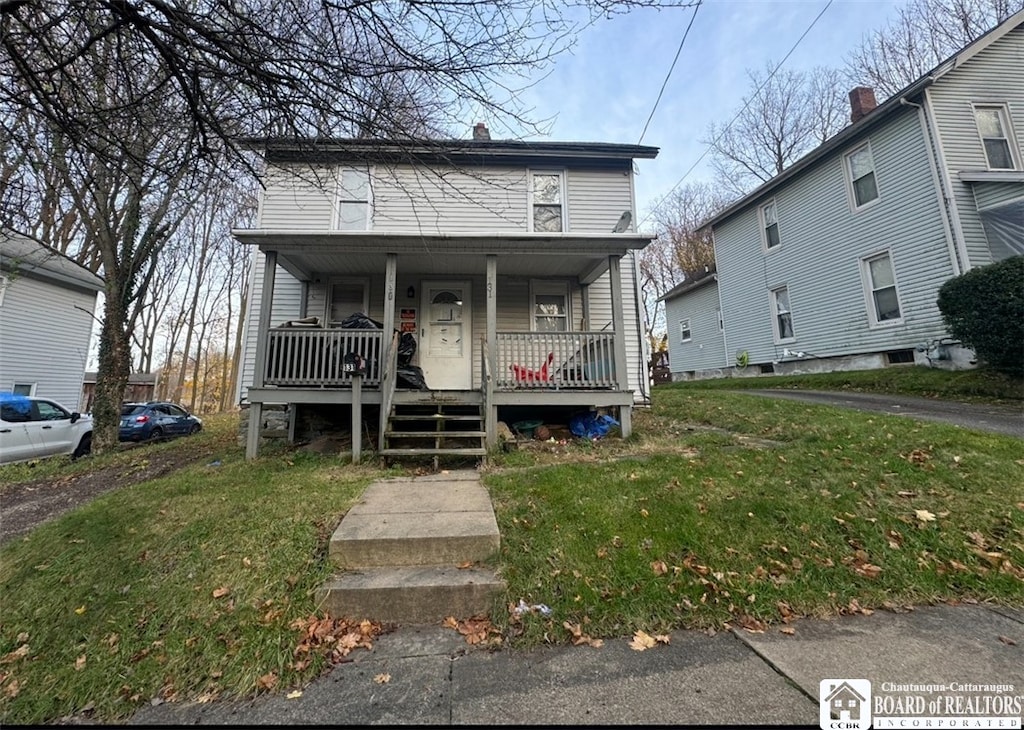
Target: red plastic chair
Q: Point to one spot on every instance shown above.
(526, 375)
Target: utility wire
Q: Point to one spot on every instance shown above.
(737, 116)
(670, 69)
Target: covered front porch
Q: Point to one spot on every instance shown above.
(449, 293)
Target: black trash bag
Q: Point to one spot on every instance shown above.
(411, 376)
(406, 348)
(359, 321)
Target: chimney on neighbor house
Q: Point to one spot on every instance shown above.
(862, 103)
(480, 131)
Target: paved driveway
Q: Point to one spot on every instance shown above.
(984, 417)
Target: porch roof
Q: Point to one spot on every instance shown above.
(305, 254)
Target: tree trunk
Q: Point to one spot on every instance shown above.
(114, 365)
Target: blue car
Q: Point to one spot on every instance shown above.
(155, 421)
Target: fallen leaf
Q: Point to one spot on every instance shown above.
(80, 663)
(267, 681)
(924, 515)
(659, 567)
(641, 641)
(221, 592)
(80, 610)
(21, 651)
(12, 688)
(788, 630)
(382, 678)
(294, 694)
(1007, 640)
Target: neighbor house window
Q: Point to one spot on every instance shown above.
(994, 128)
(353, 199)
(880, 281)
(3, 287)
(770, 225)
(685, 334)
(547, 203)
(345, 298)
(860, 166)
(783, 317)
(549, 305)
(721, 321)
(24, 389)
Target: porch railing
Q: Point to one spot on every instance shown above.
(579, 360)
(315, 357)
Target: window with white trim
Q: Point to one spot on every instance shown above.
(782, 317)
(685, 333)
(345, 298)
(860, 170)
(880, 284)
(547, 201)
(354, 199)
(28, 389)
(721, 321)
(4, 281)
(549, 306)
(994, 128)
(770, 225)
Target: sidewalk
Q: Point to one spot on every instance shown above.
(726, 679)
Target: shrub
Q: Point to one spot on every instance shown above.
(984, 309)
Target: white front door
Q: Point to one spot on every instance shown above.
(446, 337)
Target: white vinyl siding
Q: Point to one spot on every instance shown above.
(992, 76)
(45, 332)
(597, 199)
(299, 198)
(705, 350)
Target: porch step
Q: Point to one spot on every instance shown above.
(400, 548)
(431, 451)
(447, 423)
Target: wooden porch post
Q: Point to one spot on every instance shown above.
(390, 272)
(491, 417)
(252, 441)
(619, 323)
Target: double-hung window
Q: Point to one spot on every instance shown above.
(354, 199)
(994, 129)
(860, 167)
(782, 321)
(547, 201)
(549, 306)
(770, 225)
(880, 285)
(345, 298)
(685, 333)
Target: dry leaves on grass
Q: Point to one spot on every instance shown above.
(477, 630)
(334, 638)
(578, 637)
(642, 641)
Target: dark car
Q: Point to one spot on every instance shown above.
(156, 420)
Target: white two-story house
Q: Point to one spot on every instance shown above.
(495, 280)
(836, 263)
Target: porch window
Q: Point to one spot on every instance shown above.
(353, 199)
(547, 208)
(880, 283)
(783, 317)
(346, 297)
(860, 167)
(994, 129)
(549, 305)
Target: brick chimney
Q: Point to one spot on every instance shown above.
(480, 131)
(862, 102)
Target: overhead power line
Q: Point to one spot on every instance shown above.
(670, 69)
(737, 116)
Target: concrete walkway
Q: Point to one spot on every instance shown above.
(434, 677)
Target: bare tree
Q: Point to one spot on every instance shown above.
(922, 35)
(682, 249)
(147, 97)
(783, 116)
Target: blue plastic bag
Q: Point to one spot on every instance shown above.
(589, 426)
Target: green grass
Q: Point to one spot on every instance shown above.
(721, 508)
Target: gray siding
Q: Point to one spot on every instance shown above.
(419, 199)
(995, 74)
(991, 195)
(706, 348)
(44, 337)
(823, 242)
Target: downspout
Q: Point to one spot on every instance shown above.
(721, 308)
(641, 340)
(950, 219)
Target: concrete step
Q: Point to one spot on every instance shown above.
(399, 523)
(411, 595)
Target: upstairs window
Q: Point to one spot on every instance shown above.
(685, 333)
(353, 199)
(880, 281)
(994, 128)
(547, 206)
(783, 317)
(860, 166)
(770, 225)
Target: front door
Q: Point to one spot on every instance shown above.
(446, 337)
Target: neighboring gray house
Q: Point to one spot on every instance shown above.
(509, 264)
(836, 263)
(694, 326)
(47, 302)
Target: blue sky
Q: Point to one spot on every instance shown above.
(605, 89)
